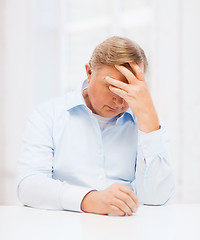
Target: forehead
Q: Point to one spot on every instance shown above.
(109, 71)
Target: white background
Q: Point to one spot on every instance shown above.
(44, 45)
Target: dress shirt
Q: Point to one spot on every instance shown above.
(65, 155)
(105, 122)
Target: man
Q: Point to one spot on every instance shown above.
(101, 150)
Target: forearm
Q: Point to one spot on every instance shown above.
(41, 191)
(154, 179)
(154, 185)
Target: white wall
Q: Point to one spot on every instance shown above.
(16, 84)
(175, 86)
(2, 100)
(166, 75)
(190, 66)
(45, 43)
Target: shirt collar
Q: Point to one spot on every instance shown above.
(78, 100)
(128, 111)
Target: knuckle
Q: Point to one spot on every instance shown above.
(124, 207)
(126, 198)
(110, 200)
(115, 184)
(119, 212)
(121, 205)
(111, 192)
(113, 210)
(129, 191)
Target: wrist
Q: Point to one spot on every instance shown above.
(89, 201)
(149, 128)
(149, 123)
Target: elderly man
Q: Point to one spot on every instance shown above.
(101, 149)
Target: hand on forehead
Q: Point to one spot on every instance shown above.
(135, 73)
(127, 70)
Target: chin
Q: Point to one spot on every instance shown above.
(110, 114)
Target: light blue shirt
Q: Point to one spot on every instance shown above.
(65, 155)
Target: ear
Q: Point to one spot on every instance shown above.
(88, 72)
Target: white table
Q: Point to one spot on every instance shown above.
(152, 223)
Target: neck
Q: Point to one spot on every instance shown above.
(87, 100)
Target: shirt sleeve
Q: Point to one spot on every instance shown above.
(36, 187)
(154, 181)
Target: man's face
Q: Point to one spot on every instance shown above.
(99, 97)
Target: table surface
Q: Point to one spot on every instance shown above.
(150, 222)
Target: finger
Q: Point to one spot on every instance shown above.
(116, 211)
(117, 83)
(119, 92)
(128, 191)
(123, 205)
(127, 73)
(138, 71)
(127, 200)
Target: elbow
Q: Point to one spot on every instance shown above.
(159, 197)
(21, 194)
(26, 192)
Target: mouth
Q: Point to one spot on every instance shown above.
(114, 109)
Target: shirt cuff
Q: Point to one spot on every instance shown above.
(71, 196)
(153, 143)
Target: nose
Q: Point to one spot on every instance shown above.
(118, 101)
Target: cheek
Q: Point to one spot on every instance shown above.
(102, 99)
(101, 95)
(106, 96)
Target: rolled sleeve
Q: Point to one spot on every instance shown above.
(152, 144)
(154, 181)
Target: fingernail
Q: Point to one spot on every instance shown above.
(135, 208)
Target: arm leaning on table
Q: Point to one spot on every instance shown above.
(36, 187)
(155, 182)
